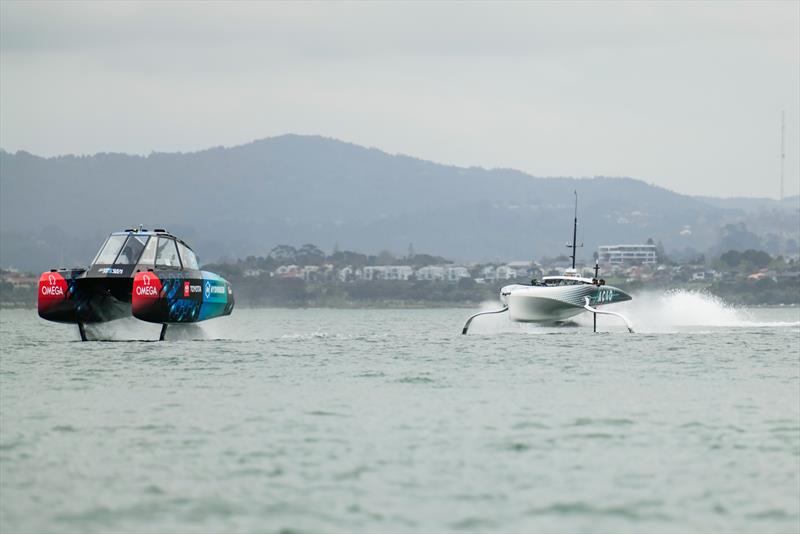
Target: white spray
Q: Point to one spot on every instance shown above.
(650, 312)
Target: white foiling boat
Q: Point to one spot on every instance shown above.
(557, 298)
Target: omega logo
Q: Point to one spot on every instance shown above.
(146, 290)
(52, 289)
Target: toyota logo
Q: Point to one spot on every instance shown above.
(208, 289)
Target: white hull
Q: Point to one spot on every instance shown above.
(529, 309)
(534, 304)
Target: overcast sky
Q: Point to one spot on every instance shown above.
(684, 95)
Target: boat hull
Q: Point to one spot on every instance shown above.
(165, 297)
(535, 304)
(67, 296)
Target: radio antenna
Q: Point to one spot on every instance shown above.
(780, 205)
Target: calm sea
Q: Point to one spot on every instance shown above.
(391, 421)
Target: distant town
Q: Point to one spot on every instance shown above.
(307, 276)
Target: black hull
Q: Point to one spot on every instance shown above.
(91, 300)
(152, 276)
(164, 297)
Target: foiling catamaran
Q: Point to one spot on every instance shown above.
(557, 298)
(153, 276)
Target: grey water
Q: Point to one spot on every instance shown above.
(391, 421)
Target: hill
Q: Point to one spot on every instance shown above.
(231, 202)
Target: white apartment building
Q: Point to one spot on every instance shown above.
(504, 272)
(398, 272)
(431, 272)
(456, 273)
(627, 254)
(388, 272)
(289, 271)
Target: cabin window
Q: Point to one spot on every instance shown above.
(167, 254)
(131, 250)
(149, 254)
(188, 257)
(109, 252)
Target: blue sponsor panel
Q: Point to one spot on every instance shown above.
(180, 299)
(217, 297)
(176, 299)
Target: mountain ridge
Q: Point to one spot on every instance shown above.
(293, 189)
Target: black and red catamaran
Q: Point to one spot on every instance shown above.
(151, 275)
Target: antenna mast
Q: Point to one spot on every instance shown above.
(780, 206)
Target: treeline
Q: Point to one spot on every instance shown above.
(764, 292)
(748, 260)
(255, 282)
(310, 254)
(265, 290)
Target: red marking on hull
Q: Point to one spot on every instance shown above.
(52, 291)
(146, 292)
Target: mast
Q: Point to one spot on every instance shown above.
(575, 230)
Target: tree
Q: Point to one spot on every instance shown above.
(309, 254)
(385, 258)
(732, 258)
(284, 254)
(661, 254)
(420, 260)
(738, 237)
(758, 258)
(348, 257)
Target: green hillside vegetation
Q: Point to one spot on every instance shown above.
(244, 200)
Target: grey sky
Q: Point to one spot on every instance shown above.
(684, 95)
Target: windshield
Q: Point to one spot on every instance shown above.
(188, 257)
(149, 254)
(131, 250)
(109, 252)
(564, 282)
(167, 254)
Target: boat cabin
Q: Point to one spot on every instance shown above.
(569, 278)
(146, 249)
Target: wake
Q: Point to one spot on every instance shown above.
(650, 312)
(678, 308)
(130, 329)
